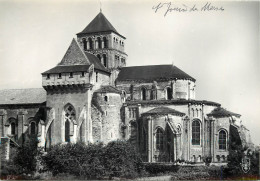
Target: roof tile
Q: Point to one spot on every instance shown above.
(152, 72)
(22, 96)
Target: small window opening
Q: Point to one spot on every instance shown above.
(105, 98)
(13, 128)
(82, 74)
(59, 76)
(71, 74)
(96, 76)
(48, 76)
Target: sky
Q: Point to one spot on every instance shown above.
(219, 48)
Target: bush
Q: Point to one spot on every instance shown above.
(207, 160)
(93, 161)
(76, 159)
(25, 158)
(160, 168)
(120, 159)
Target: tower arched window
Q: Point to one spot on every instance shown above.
(13, 128)
(105, 60)
(33, 128)
(98, 56)
(143, 93)
(159, 139)
(90, 42)
(105, 42)
(84, 44)
(99, 42)
(222, 140)
(70, 116)
(195, 132)
(169, 93)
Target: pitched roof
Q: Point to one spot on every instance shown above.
(221, 112)
(22, 96)
(99, 24)
(97, 64)
(152, 72)
(163, 111)
(108, 89)
(76, 60)
(74, 55)
(68, 68)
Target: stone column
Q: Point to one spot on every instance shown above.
(203, 130)
(189, 90)
(212, 141)
(90, 139)
(1, 126)
(20, 131)
(175, 147)
(150, 135)
(178, 153)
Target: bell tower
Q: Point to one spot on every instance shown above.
(102, 39)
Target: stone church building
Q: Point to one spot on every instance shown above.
(92, 96)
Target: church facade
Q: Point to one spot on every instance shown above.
(92, 96)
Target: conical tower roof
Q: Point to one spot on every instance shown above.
(99, 24)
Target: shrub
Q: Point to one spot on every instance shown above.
(207, 160)
(117, 159)
(77, 159)
(160, 168)
(25, 158)
(121, 159)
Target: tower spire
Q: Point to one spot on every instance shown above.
(100, 4)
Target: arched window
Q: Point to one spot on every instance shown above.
(105, 42)
(159, 139)
(70, 116)
(169, 93)
(144, 139)
(98, 56)
(143, 93)
(99, 42)
(67, 131)
(33, 128)
(222, 140)
(196, 132)
(84, 44)
(133, 128)
(105, 60)
(90, 42)
(13, 128)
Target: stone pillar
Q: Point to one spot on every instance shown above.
(149, 140)
(1, 126)
(212, 141)
(41, 133)
(178, 152)
(174, 89)
(20, 131)
(203, 130)
(88, 45)
(5, 148)
(102, 42)
(2, 122)
(89, 120)
(189, 89)
(175, 147)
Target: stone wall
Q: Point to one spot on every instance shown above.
(108, 106)
(22, 116)
(157, 90)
